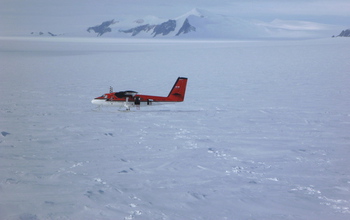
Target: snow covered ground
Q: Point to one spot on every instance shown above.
(263, 132)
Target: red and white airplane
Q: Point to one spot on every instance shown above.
(130, 99)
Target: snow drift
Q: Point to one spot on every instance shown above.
(263, 132)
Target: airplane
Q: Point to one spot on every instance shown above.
(130, 98)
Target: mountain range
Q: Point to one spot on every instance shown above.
(196, 23)
(202, 24)
(152, 26)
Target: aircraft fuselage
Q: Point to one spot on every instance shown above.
(130, 99)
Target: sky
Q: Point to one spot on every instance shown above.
(33, 15)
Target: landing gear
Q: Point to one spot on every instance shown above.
(127, 104)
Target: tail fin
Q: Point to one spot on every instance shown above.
(177, 93)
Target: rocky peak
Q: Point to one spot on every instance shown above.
(344, 33)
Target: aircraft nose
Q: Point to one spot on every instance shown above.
(96, 101)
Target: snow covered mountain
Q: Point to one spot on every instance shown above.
(164, 28)
(199, 24)
(103, 28)
(195, 23)
(344, 33)
(151, 26)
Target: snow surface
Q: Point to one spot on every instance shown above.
(263, 132)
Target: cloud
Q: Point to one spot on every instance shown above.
(296, 25)
(295, 28)
(284, 8)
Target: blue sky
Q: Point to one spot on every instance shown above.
(19, 15)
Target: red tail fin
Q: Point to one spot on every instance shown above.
(177, 93)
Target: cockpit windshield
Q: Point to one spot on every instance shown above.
(123, 94)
